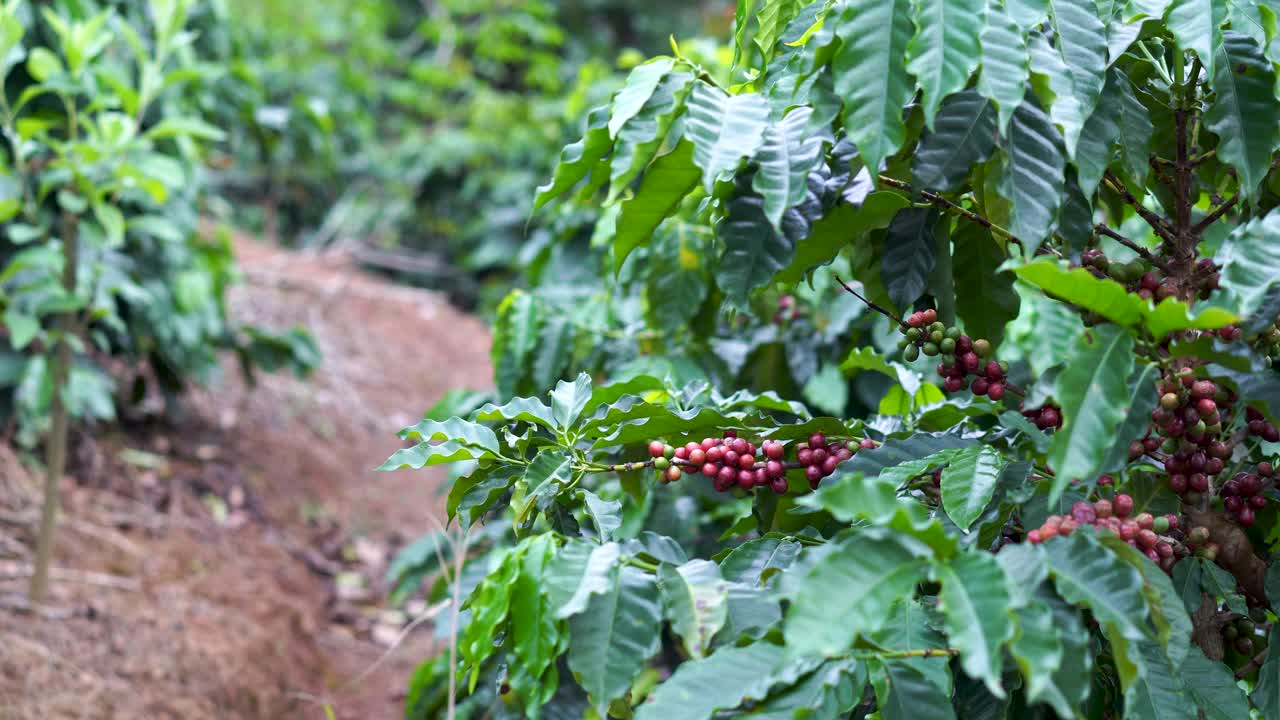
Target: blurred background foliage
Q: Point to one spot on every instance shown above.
(414, 133)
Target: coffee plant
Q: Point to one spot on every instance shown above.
(102, 271)
(1056, 223)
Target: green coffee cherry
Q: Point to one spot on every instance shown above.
(911, 353)
(937, 326)
(661, 463)
(913, 334)
(953, 333)
(903, 344)
(936, 336)
(982, 347)
(668, 452)
(947, 346)
(930, 349)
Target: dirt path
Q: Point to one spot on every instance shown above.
(230, 568)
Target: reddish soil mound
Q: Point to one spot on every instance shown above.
(230, 567)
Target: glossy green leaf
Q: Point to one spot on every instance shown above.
(578, 159)
(1086, 573)
(1120, 119)
(1196, 25)
(789, 152)
(472, 496)
(695, 598)
(754, 251)
(1032, 175)
(908, 255)
(911, 696)
(535, 634)
(1006, 62)
(1081, 39)
(839, 229)
(945, 50)
(825, 617)
(771, 19)
(963, 135)
(976, 602)
(641, 84)
(615, 635)
(1266, 694)
(969, 482)
(665, 184)
(1141, 400)
(1213, 687)
(699, 688)
(871, 76)
(724, 129)
(1243, 116)
(989, 301)
(462, 431)
(548, 474)
(1092, 390)
(754, 561)
(640, 138)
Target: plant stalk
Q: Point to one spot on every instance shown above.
(56, 444)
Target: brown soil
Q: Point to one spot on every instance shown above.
(230, 566)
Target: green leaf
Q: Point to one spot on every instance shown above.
(472, 496)
(1141, 398)
(1081, 40)
(548, 474)
(489, 604)
(535, 634)
(614, 637)
(1250, 259)
(1032, 175)
(576, 573)
(790, 152)
(908, 255)
(989, 301)
(665, 184)
(1119, 119)
(825, 616)
(1266, 694)
(569, 399)
(871, 77)
(515, 335)
(945, 50)
(724, 129)
(186, 127)
(964, 135)
(699, 688)
(839, 229)
(1086, 573)
(528, 410)
(639, 139)
(976, 603)
(641, 84)
(911, 696)
(112, 221)
(754, 561)
(1213, 687)
(772, 18)
(1153, 689)
(969, 482)
(695, 597)
(426, 454)
(605, 514)
(1109, 299)
(457, 429)
(1243, 116)
(578, 159)
(1006, 62)
(1196, 25)
(754, 251)
(43, 64)
(1092, 390)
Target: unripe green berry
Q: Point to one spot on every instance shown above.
(953, 333)
(936, 336)
(911, 353)
(982, 347)
(913, 334)
(1004, 367)
(668, 452)
(947, 345)
(930, 349)
(1169, 401)
(1161, 524)
(903, 343)
(937, 326)
(661, 463)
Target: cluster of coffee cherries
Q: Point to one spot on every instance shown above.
(1142, 532)
(1243, 634)
(788, 310)
(924, 333)
(820, 458)
(1259, 427)
(1268, 342)
(1149, 284)
(1190, 417)
(1045, 417)
(1242, 495)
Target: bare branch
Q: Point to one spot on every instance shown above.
(1144, 253)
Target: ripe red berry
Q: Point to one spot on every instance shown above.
(773, 449)
(1198, 482)
(1146, 521)
(1123, 505)
(1128, 530)
(674, 473)
(1271, 433)
(869, 444)
(980, 386)
(916, 320)
(746, 479)
(778, 485)
(829, 465)
(1103, 508)
(710, 470)
(730, 458)
(996, 391)
(953, 384)
(1149, 281)
(813, 473)
(1050, 417)
(1147, 539)
(993, 371)
(682, 453)
(715, 454)
(1245, 517)
(930, 316)
(708, 443)
(746, 461)
(727, 474)
(1206, 407)
(1033, 537)
(773, 468)
(805, 456)
(970, 361)
(1178, 483)
(964, 345)
(1201, 389)
(656, 448)
(1265, 469)
(697, 456)
(817, 440)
